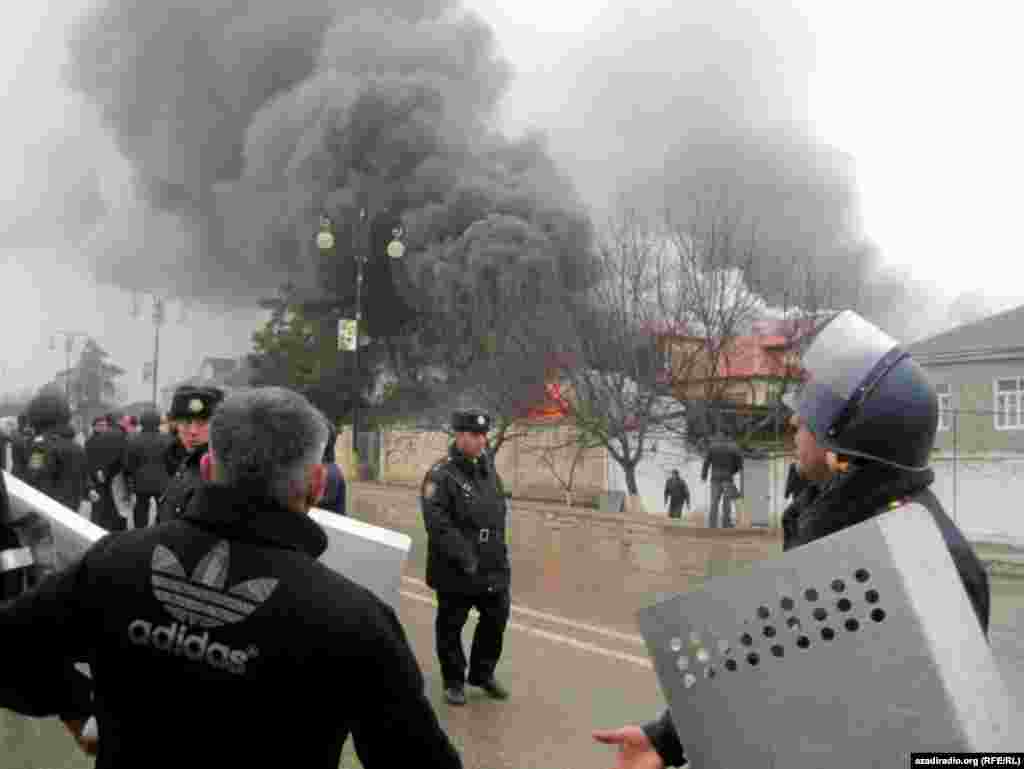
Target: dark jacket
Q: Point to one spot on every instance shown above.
(677, 491)
(182, 486)
(849, 499)
(465, 517)
(20, 446)
(10, 581)
(105, 452)
(145, 462)
(55, 465)
(209, 640)
(724, 460)
(795, 483)
(175, 454)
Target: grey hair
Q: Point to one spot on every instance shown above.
(265, 439)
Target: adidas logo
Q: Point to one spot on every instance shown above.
(200, 600)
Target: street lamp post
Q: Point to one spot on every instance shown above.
(159, 316)
(325, 241)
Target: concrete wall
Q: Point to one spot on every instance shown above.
(654, 470)
(981, 493)
(406, 455)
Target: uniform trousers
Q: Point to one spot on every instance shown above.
(452, 613)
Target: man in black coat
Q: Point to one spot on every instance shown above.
(863, 454)
(53, 464)
(105, 451)
(724, 460)
(191, 409)
(467, 557)
(145, 465)
(677, 495)
(212, 640)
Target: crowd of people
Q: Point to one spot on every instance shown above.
(221, 618)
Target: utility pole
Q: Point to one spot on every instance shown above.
(358, 252)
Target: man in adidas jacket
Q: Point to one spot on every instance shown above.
(218, 639)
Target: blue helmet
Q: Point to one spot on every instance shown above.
(865, 397)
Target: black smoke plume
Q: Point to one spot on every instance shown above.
(246, 121)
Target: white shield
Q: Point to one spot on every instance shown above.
(851, 651)
(368, 555)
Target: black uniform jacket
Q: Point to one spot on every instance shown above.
(465, 515)
(56, 465)
(219, 640)
(847, 500)
(145, 462)
(105, 452)
(182, 486)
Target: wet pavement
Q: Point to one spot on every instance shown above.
(573, 659)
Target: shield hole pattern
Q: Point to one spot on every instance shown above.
(786, 628)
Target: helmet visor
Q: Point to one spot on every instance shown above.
(840, 364)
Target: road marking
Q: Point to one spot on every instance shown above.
(555, 637)
(607, 633)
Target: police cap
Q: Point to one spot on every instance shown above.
(471, 421)
(192, 402)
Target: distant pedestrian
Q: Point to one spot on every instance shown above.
(677, 495)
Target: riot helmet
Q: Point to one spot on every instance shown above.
(864, 396)
(47, 411)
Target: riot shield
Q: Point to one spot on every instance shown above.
(368, 555)
(849, 652)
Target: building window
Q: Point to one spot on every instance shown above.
(945, 394)
(1008, 403)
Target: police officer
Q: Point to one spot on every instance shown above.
(55, 465)
(20, 446)
(191, 409)
(467, 557)
(866, 424)
(145, 465)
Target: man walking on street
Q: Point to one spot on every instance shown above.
(724, 460)
(677, 495)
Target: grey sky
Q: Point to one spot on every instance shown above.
(919, 96)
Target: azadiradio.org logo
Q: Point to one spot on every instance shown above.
(200, 601)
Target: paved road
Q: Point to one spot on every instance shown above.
(572, 660)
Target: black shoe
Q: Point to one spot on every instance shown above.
(455, 695)
(494, 689)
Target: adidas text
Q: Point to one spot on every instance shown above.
(172, 639)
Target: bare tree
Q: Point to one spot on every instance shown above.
(704, 295)
(660, 326)
(618, 400)
(552, 456)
